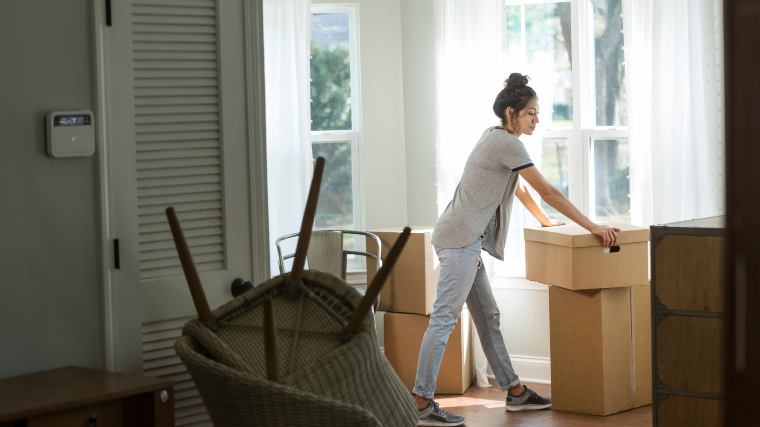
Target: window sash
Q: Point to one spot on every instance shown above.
(354, 135)
(353, 52)
(338, 137)
(579, 137)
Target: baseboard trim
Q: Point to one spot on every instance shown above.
(517, 283)
(532, 369)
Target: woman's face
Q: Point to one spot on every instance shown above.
(526, 120)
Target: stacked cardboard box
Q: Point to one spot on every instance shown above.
(599, 308)
(407, 300)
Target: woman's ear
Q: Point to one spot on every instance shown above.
(508, 119)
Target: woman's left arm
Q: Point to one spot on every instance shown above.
(534, 208)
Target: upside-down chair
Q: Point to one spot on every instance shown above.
(297, 350)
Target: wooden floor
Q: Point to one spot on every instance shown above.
(485, 407)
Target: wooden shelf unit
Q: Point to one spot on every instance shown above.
(81, 397)
(687, 323)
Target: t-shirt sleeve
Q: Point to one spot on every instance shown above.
(516, 157)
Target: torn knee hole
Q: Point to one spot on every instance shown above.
(495, 316)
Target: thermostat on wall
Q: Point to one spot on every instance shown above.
(70, 133)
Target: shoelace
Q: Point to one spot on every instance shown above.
(438, 411)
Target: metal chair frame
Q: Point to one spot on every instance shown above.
(344, 252)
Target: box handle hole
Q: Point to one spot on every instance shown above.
(611, 249)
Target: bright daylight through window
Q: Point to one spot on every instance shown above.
(334, 114)
(336, 120)
(572, 50)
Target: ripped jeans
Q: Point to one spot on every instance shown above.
(462, 277)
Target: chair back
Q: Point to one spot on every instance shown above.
(236, 398)
(328, 251)
(311, 357)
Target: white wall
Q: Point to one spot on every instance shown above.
(50, 297)
(398, 157)
(419, 110)
(524, 308)
(382, 149)
(524, 305)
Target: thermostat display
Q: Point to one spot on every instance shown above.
(72, 120)
(70, 133)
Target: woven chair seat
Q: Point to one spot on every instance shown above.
(322, 380)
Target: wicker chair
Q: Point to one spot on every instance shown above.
(236, 398)
(297, 350)
(322, 380)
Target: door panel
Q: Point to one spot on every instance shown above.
(177, 136)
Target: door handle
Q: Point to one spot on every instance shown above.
(239, 286)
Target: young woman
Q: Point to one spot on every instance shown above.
(477, 219)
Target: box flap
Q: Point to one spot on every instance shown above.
(575, 236)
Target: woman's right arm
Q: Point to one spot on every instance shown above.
(557, 200)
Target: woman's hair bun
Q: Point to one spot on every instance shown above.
(516, 94)
(515, 81)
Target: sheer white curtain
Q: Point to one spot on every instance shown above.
(288, 118)
(469, 74)
(674, 60)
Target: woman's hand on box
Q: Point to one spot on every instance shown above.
(606, 234)
(552, 223)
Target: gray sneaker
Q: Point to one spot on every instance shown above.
(528, 401)
(433, 415)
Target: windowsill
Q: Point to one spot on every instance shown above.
(358, 279)
(506, 282)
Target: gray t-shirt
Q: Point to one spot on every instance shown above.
(482, 201)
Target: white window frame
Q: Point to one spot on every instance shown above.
(580, 164)
(354, 135)
(580, 156)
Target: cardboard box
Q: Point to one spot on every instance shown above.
(403, 335)
(601, 349)
(570, 257)
(412, 284)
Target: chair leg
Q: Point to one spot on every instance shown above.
(188, 266)
(373, 290)
(307, 222)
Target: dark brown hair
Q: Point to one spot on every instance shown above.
(516, 94)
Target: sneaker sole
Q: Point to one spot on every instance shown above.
(439, 423)
(528, 407)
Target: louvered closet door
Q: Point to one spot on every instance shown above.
(178, 138)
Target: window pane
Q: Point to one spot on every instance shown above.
(330, 72)
(611, 181)
(554, 167)
(539, 45)
(336, 201)
(608, 48)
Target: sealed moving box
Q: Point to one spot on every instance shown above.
(600, 349)
(570, 257)
(403, 336)
(411, 286)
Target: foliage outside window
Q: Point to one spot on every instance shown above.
(572, 50)
(335, 134)
(586, 96)
(335, 119)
